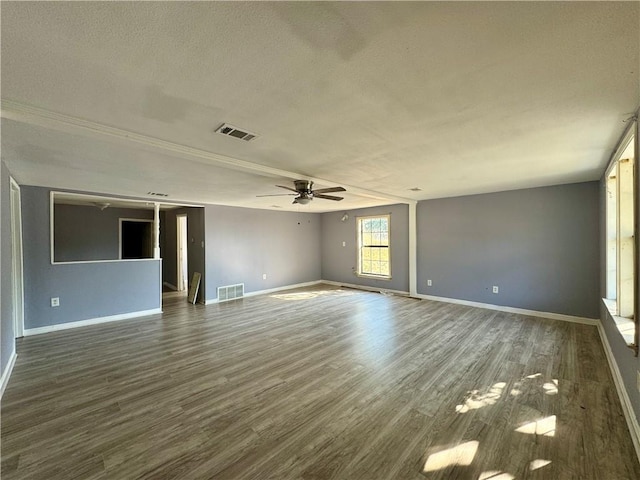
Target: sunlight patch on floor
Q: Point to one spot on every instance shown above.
(551, 388)
(495, 475)
(461, 455)
(545, 427)
(548, 388)
(475, 399)
(306, 295)
(538, 463)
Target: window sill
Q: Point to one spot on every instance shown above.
(626, 326)
(375, 277)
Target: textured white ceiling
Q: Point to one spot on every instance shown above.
(454, 98)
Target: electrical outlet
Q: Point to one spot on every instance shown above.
(55, 301)
(429, 283)
(264, 276)
(344, 244)
(496, 289)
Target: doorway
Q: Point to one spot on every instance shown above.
(16, 260)
(182, 260)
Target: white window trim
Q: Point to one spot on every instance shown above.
(627, 326)
(359, 244)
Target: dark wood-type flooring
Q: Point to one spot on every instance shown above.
(319, 383)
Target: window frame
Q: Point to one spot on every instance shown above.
(359, 221)
(622, 230)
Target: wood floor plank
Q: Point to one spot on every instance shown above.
(316, 383)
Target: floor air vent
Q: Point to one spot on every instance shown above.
(230, 292)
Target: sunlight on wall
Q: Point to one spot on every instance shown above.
(462, 455)
(545, 427)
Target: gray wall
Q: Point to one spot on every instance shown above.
(86, 290)
(84, 233)
(339, 263)
(7, 336)
(539, 246)
(243, 243)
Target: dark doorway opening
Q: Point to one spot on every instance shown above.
(136, 239)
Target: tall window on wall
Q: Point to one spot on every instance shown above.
(620, 237)
(374, 247)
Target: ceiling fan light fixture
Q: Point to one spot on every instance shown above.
(302, 200)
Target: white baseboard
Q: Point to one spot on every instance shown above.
(170, 285)
(269, 290)
(521, 311)
(366, 287)
(625, 401)
(91, 321)
(4, 380)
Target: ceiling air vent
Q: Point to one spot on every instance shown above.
(157, 194)
(231, 131)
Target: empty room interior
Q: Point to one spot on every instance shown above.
(320, 240)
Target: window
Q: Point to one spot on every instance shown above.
(374, 248)
(620, 229)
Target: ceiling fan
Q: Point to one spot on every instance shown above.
(305, 193)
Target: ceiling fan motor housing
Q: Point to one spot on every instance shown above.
(304, 186)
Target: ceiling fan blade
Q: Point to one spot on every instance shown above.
(277, 195)
(329, 190)
(327, 197)
(288, 188)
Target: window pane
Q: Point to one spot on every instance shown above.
(384, 268)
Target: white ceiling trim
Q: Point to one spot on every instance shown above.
(72, 198)
(31, 115)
